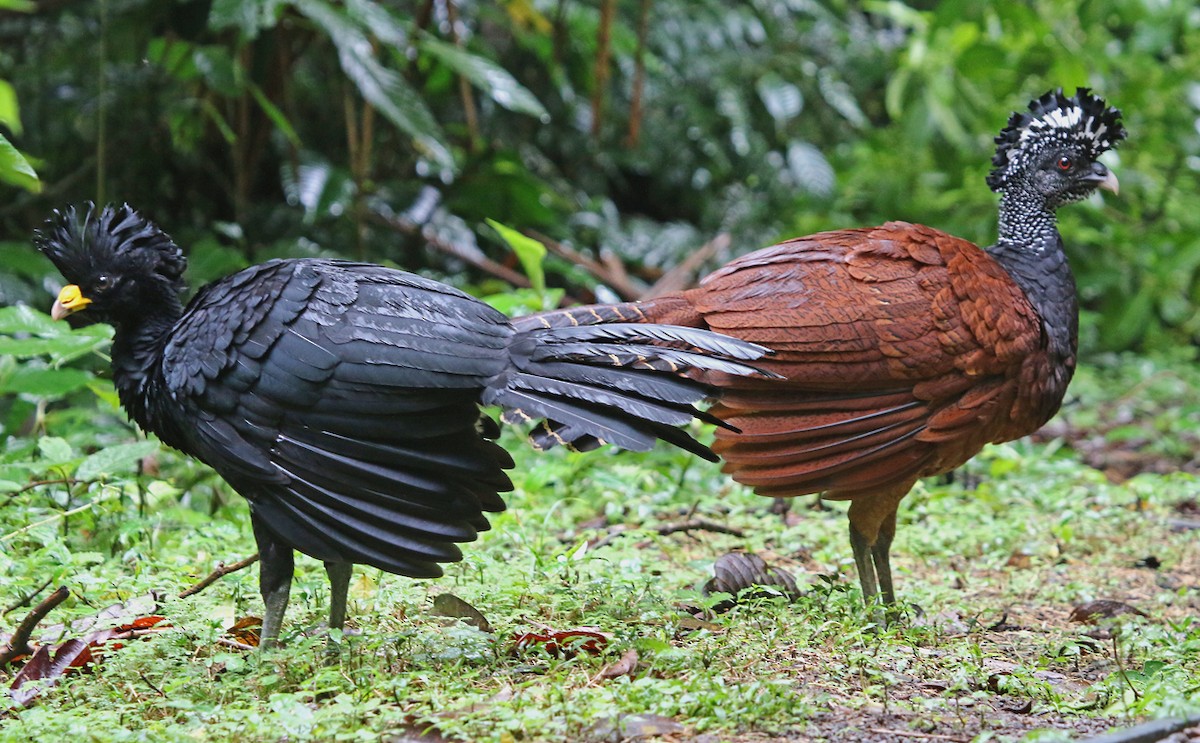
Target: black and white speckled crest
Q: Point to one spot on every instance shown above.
(1082, 120)
(83, 244)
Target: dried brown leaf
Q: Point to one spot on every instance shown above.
(632, 727)
(1094, 611)
(246, 630)
(43, 667)
(625, 666)
(449, 605)
(567, 643)
(734, 572)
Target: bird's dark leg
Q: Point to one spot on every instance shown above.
(781, 507)
(275, 580)
(339, 585)
(872, 527)
(882, 559)
(866, 566)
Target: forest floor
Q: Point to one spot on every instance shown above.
(1050, 591)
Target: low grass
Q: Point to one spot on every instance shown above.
(989, 565)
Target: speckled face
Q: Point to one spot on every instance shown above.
(1079, 128)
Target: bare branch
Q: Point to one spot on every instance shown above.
(25, 601)
(684, 275)
(692, 524)
(221, 571)
(18, 644)
(468, 255)
(618, 280)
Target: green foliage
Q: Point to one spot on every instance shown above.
(530, 252)
(14, 167)
(993, 634)
(761, 119)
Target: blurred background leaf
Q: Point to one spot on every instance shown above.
(303, 127)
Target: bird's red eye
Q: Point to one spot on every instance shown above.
(1064, 163)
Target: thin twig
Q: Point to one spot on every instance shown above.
(695, 524)
(618, 281)
(221, 571)
(639, 77)
(234, 644)
(470, 113)
(1121, 666)
(683, 275)
(55, 517)
(18, 644)
(699, 525)
(608, 9)
(25, 601)
(469, 255)
(915, 734)
(40, 483)
(151, 684)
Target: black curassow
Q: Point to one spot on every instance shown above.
(900, 350)
(342, 399)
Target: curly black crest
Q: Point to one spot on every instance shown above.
(1083, 120)
(82, 243)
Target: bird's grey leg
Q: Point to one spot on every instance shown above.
(880, 551)
(866, 567)
(339, 585)
(275, 580)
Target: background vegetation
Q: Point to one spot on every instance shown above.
(634, 135)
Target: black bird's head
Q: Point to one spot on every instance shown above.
(1052, 149)
(116, 262)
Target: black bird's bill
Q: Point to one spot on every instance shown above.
(70, 300)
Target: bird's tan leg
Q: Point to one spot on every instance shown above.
(872, 527)
(339, 586)
(276, 565)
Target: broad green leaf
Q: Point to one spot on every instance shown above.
(25, 319)
(524, 301)
(115, 459)
(15, 169)
(55, 450)
(809, 167)
(249, 17)
(486, 75)
(174, 56)
(104, 390)
(21, 259)
(320, 188)
(383, 88)
(782, 99)
(530, 252)
(44, 381)
(384, 26)
(219, 70)
(19, 6)
(10, 113)
(47, 337)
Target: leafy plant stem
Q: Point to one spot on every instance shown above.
(51, 519)
(464, 86)
(1121, 666)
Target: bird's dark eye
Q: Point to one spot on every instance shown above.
(1065, 163)
(103, 282)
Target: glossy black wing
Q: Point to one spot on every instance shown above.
(342, 400)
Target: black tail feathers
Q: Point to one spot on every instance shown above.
(596, 378)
